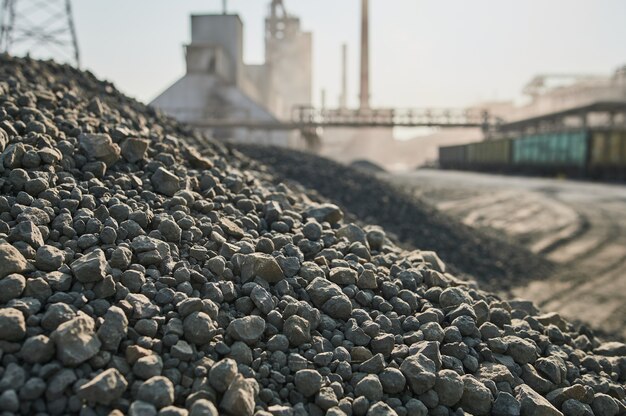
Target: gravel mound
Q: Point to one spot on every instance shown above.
(138, 277)
(367, 166)
(498, 264)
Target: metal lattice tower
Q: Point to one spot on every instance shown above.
(43, 28)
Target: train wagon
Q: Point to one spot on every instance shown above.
(489, 154)
(453, 157)
(552, 153)
(607, 158)
(593, 153)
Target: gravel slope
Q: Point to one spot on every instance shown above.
(496, 263)
(139, 277)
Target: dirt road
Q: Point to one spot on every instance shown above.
(580, 225)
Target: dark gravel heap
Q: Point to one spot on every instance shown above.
(138, 277)
(498, 264)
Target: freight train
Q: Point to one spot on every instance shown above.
(587, 153)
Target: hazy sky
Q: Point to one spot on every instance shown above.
(423, 52)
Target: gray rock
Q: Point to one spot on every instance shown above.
(477, 398)
(37, 349)
(56, 314)
(148, 367)
(49, 258)
(533, 404)
(308, 382)
(105, 388)
(343, 276)
(297, 330)
(177, 411)
(262, 299)
(158, 391)
(27, 231)
(170, 230)
(113, 329)
(573, 407)
(326, 212)
(603, 404)
(369, 387)
(449, 387)
(523, 351)
(240, 397)
(505, 405)
(381, 409)
(99, 147)
(182, 351)
(329, 297)
(262, 265)
(326, 398)
(134, 149)
(11, 261)
(248, 329)
(75, 340)
(12, 324)
(9, 402)
(367, 280)
(203, 407)
(11, 287)
(420, 373)
(392, 380)
(312, 230)
(222, 374)
(198, 328)
(91, 267)
(141, 408)
(611, 349)
(165, 182)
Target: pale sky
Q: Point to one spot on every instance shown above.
(423, 52)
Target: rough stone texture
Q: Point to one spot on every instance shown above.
(99, 147)
(158, 391)
(11, 261)
(248, 329)
(105, 388)
(12, 324)
(90, 268)
(262, 265)
(175, 280)
(75, 340)
(239, 398)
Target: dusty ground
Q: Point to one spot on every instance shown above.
(580, 225)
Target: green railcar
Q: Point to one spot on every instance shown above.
(552, 150)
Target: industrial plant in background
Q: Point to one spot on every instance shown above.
(218, 84)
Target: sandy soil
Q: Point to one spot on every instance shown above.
(580, 225)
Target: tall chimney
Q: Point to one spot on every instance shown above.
(364, 96)
(343, 99)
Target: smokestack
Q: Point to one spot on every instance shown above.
(364, 96)
(343, 99)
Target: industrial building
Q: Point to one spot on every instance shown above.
(218, 84)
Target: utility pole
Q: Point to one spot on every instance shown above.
(224, 6)
(32, 26)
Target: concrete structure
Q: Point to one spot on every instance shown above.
(218, 84)
(364, 94)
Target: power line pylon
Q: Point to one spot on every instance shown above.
(33, 26)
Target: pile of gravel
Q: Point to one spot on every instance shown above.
(497, 263)
(138, 277)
